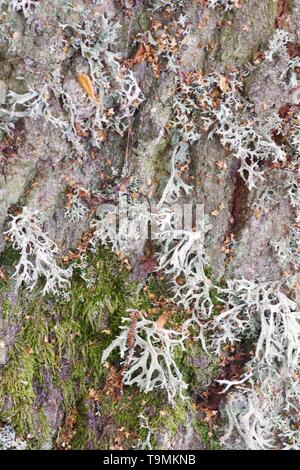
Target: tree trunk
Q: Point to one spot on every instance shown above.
(65, 145)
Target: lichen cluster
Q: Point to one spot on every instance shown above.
(99, 332)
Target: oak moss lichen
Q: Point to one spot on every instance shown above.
(64, 339)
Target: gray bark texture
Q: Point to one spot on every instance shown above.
(54, 391)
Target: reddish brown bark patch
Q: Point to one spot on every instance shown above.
(281, 14)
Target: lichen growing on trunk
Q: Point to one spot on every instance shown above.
(155, 108)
